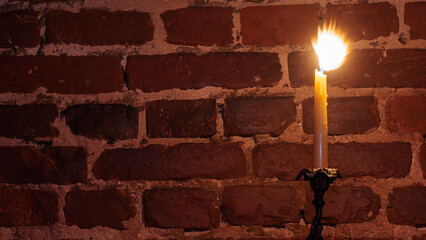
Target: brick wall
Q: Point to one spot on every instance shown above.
(172, 119)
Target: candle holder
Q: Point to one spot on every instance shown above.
(319, 179)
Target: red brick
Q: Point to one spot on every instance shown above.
(423, 159)
(415, 18)
(250, 116)
(199, 26)
(419, 235)
(28, 121)
(19, 28)
(98, 27)
(346, 115)
(108, 208)
(379, 160)
(60, 74)
(282, 160)
(58, 165)
(279, 25)
(181, 118)
(301, 68)
(180, 208)
(364, 68)
(407, 205)
(406, 113)
(363, 21)
(232, 70)
(182, 161)
(38, 1)
(263, 205)
(345, 204)
(103, 121)
(27, 208)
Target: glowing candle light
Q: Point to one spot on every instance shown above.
(331, 51)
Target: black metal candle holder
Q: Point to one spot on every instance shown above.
(319, 179)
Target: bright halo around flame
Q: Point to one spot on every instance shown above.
(330, 49)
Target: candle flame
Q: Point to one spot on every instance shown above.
(330, 48)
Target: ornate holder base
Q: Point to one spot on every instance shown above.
(320, 179)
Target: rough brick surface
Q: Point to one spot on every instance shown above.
(406, 113)
(181, 118)
(104, 121)
(363, 21)
(345, 204)
(60, 74)
(423, 159)
(38, 1)
(301, 68)
(379, 160)
(250, 116)
(199, 26)
(182, 161)
(180, 208)
(108, 208)
(59, 165)
(189, 71)
(364, 68)
(279, 25)
(282, 160)
(263, 205)
(28, 121)
(19, 28)
(407, 205)
(98, 27)
(346, 115)
(27, 208)
(415, 18)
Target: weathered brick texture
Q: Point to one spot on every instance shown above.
(415, 18)
(108, 208)
(180, 208)
(279, 25)
(363, 21)
(282, 160)
(189, 71)
(98, 27)
(363, 68)
(60, 74)
(406, 205)
(250, 116)
(130, 119)
(345, 204)
(406, 114)
(379, 160)
(182, 161)
(104, 121)
(264, 205)
(28, 121)
(199, 26)
(59, 165)
(21, 207)
(347, 115)
(19, 29)
(181, 118)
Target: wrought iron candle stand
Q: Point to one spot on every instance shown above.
(320, 179)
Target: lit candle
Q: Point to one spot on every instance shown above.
(331, 52)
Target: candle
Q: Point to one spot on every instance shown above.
(331, 51)
(320, 121)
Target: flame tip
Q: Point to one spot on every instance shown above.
(330, 47)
